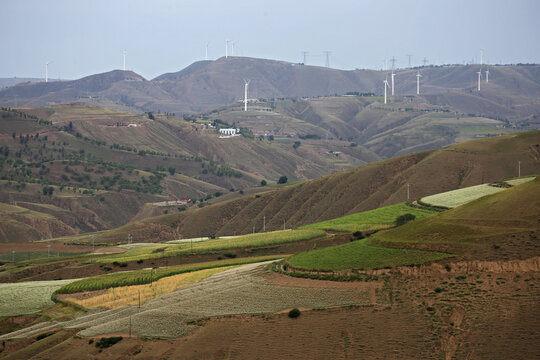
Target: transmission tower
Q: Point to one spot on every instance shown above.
(327, 64)
(393, 61)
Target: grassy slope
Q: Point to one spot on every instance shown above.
(372, 219)
(360, 255)
(467, 225)
(360, 189)
(479, 219)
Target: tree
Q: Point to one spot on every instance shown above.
(405, 218)
(296, 145)
(150, 115)
(282, 180)
(263, 182)
(172, 170)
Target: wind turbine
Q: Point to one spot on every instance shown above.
(246, 84)
(479, 76)
(385, 86)
(206, 51)
(226, 49)
(487, 76)
(47, 71)
(418, 76)
(393, 82)
(124, 60)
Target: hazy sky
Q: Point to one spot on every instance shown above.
(81, 38)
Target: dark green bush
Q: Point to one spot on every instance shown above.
(108, 342)
(294, 313)
(405, 218)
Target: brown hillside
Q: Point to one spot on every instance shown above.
(364, 188)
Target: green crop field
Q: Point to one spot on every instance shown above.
(258, 239)
(370, 220)
(361, 256)
(146, 276)
(455, 198)
(32, 255)
(518, 181)
(28, 297)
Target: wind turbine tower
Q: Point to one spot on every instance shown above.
(206, 51)
(304, 53)
(393, 82)
(479, 77)
(226, 49)
(47, 71)
(487, 76)
(418, 76)
(246, 84)
(410, 56)
(385, 86)
(424, 61)
(124, 60)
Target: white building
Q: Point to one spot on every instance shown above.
(230, 131)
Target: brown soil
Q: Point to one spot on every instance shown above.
(479, 312)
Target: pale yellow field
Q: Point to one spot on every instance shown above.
(129, 295)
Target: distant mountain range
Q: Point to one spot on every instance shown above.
(512, 92)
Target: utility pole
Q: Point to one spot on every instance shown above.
(304, 53)
(264, 223)
(519, 168)
(408, 185)
(139, 298)
(93, 247)
(49, 250)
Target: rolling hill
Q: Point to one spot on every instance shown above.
(367, 187)
(511, 94)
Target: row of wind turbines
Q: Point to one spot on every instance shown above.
(418, 76)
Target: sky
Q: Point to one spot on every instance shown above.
(81, 38)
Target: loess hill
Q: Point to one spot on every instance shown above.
(359, 189)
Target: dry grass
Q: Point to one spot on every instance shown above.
(129, 295)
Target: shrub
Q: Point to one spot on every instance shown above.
(282, 180)
(43, 336)
(230, 255)
(108, 342)
(294, 313)
(358, 235)
(405, 218)
(263, 182)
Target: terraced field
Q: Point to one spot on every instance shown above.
(28, 297)
(257, 239)
(455, 198)
(359, 255)
(370, 220)
(243, 290)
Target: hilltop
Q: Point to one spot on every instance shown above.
(511, 93)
